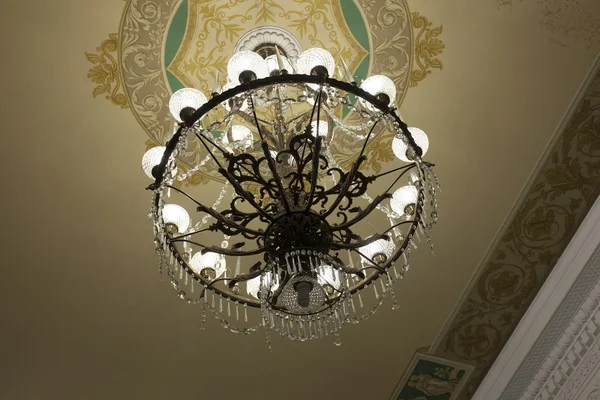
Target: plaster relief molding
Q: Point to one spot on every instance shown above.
(561, 373)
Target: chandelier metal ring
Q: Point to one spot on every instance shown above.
(297, 207)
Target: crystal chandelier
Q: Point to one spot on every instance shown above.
(290, 243)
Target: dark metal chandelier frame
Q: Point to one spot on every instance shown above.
(294, 222)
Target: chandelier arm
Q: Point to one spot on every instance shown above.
(360, 253)
(410, 221)
(189, 234)
(249, 119)
(407, 167)
(170, 147)
(237, 186)
(315, 154)
(369, 240)
(202, 138)
(364, 213)
(236, 279)
(317, 104)
(346, 186)
(315, 172)
(270, 161)
(352, 173)
(218, 216)
(220, 250)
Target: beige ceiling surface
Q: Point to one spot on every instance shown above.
(84, 313)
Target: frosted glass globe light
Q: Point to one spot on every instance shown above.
(226, 104)
(246, 61)
(273, 64)
(151, 159)
(213, 261)
(404, 197)
(241, 136)
(399, 147)
(379, 85)
(315, 57)
(177, 216)
(323, 128)
(378, 251)
(186, 97)
(327, 275)
(253, 285)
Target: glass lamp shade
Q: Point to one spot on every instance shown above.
(151, 159)
(246, 61)
(379, 84)
(210, 260)
(314, 57)
(253, 285)
(186, 97)
(241, 136)
(399, 147)
(327, 275)
(273, 64)
(310, 298)
(404, 197)
(244, 105)
(323, 128)
(382, 249)
(176, 215)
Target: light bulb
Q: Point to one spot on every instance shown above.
(327, 275)
(379, 251)
(185, 98)
(381, 87)
(399, 147)
(403, 198)
(246, 61)
(210, 265)
(315, 57)
(323, 128)
(151, 159)
(253, 285)
(241, 136)
(176, 216)
(273, 63)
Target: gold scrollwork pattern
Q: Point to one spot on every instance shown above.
(106, 73)
(428, 47)
(568, 22)
(559, 199)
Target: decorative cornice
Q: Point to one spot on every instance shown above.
(549, 211)
(576, 340)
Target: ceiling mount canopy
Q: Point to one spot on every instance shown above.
(291, 233)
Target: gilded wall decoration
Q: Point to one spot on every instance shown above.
(568, 22)
(163, 46)
(552, 210)
(105, 72)
(428, 47)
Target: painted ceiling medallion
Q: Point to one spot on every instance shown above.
(161, 47)
(270, 37)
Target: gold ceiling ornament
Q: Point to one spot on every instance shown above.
(222, 24)
(568, 22)
(428, 47)
(138, 69)
(106, 72)
(546, 220)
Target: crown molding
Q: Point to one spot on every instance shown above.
(558, 330)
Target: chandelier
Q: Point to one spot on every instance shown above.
(290, 243)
